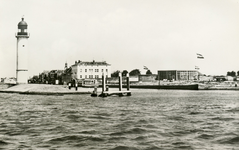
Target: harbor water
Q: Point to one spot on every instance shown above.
(147, 120)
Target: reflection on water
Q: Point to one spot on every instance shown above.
(148, 120)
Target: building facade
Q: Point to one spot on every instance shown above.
(148, 78)
(22, 53)
(90, 70)
(178, 75)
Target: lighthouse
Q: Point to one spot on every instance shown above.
(22, 53)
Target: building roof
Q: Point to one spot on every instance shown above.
(179, 70)
(92, 63)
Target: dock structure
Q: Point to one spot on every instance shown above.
(120, 93)
(105, 90)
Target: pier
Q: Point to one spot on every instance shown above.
(105, 89)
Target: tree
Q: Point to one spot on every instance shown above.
(228, 73)
(237, 73)
(149, 72)
(134, 72)
(124, 73)
(232, 73)
(115, 74)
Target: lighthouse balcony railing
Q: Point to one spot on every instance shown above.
(22, 34)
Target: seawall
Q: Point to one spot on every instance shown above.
(44, 89)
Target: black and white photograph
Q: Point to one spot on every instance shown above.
(119, 74)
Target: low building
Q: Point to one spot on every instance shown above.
(206, 78)
(90, 70)
(178, 75)
(148, 78)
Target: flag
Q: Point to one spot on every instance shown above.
(200, 56)
(196, 67)
(146, 68)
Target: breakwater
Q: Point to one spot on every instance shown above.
(172, 87)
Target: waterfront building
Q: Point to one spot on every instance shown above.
(90, 70)
(178, 75)
(22, 53)
(148, 77)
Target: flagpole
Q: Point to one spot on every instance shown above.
(199, 56)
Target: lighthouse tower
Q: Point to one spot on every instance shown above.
(22, 52)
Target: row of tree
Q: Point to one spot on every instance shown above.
(233, 73)
(134, 72)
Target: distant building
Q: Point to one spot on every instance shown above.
(178, 75)
(206, 78)
(224, 78)
(90, 70)
(148, 78)
(9, 80)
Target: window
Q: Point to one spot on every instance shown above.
(106, 70)
(85, 70)
(96, 76)
(80, 70)
(80, 76)
(102, 70)
(86, 76)
(96, 70)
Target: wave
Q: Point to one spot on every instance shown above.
(67, 138)
(130, 131)
(205, 136)
(181, 145)
(236, 109)
(97, 117)
(75, 138)
(154, 148)
(229, 140)
(73, 117)
(3, 142)
(124, 148)
(178, 118)
(117, 138)
(88, 132)
(140, 138)
(103, 114)
(194, 113)
(223, 119)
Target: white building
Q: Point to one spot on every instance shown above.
(90, 70)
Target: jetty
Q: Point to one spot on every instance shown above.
(43, 89)
(169, 87)
(105, 88)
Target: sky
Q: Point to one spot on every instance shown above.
(128, 34)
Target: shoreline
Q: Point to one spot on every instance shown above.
(58, 90)
(44, 89)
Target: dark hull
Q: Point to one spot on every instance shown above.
(172, 87)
